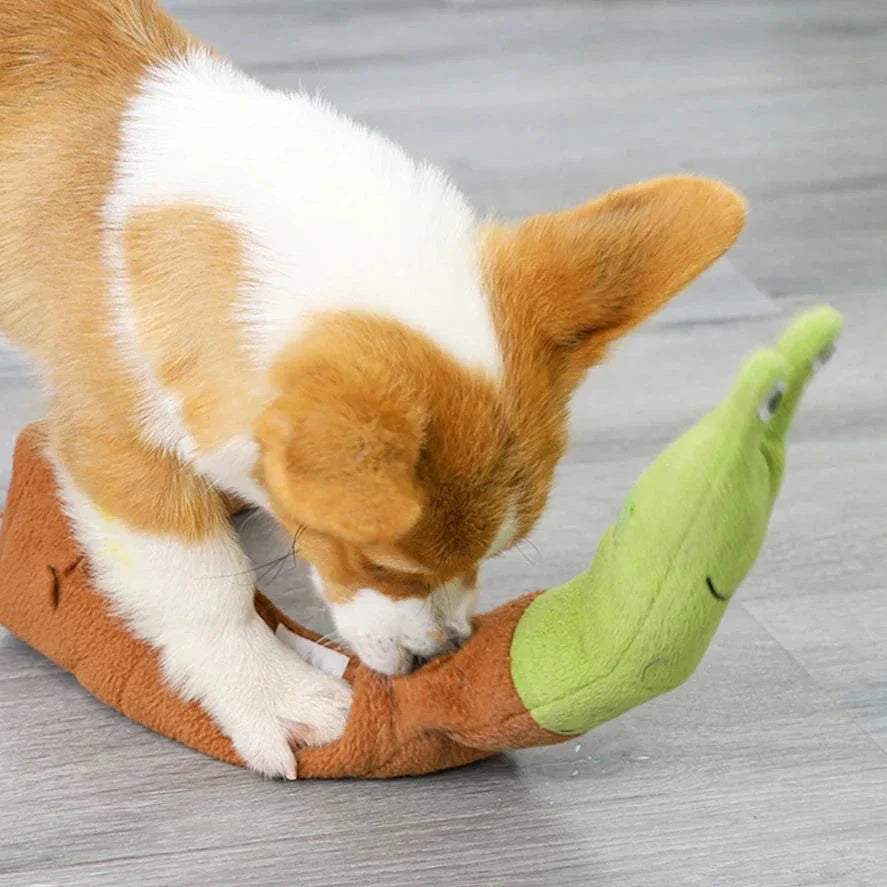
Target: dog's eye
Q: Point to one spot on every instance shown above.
(770, 404)
(377, 570)
(387, 574)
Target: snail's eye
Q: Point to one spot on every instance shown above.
(823, 357)
(770, 404)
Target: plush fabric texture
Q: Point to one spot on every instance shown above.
(638, 621)
(537, 670)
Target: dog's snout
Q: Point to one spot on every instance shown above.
(399, 635)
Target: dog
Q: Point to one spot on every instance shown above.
(239, 295)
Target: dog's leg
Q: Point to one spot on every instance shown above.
(162, 550)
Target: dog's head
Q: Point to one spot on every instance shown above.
(400, 469)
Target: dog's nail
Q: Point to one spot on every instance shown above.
(299, 736)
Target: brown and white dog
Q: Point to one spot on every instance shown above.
(238, 292)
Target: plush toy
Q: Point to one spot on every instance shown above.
(538, 670)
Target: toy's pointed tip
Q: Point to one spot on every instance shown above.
(819, 326)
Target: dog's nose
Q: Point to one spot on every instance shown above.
(455, 638)
(418, 662)
(460, 633)
(458, 636)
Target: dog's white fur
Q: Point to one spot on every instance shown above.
(334, 215)
(387, 633)
(194, 603)
(505, 535)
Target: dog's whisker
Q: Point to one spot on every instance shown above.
(523, 553)
(254, 569)
(280, 566)
(251, 515)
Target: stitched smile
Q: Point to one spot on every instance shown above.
(714, 591)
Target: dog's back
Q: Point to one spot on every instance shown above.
(67, 68)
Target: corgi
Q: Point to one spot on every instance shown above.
(238, 294)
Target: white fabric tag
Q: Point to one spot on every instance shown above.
(331, 661)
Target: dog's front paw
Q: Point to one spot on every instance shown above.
(317, 710)
(269, 702)
(306, 708)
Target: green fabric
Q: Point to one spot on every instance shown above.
(638, 621)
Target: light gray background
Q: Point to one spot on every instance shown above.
(768, 767)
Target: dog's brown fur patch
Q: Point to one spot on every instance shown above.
(187, 273)
(67, 69)
(379, 437)
(566, 285)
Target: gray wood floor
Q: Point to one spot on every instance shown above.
(768, 767)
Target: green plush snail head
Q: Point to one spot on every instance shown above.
(638, 621)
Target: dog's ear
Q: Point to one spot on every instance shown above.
(341, 459)
(573, 281)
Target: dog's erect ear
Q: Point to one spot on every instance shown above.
(575, 280)
(341, 459)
